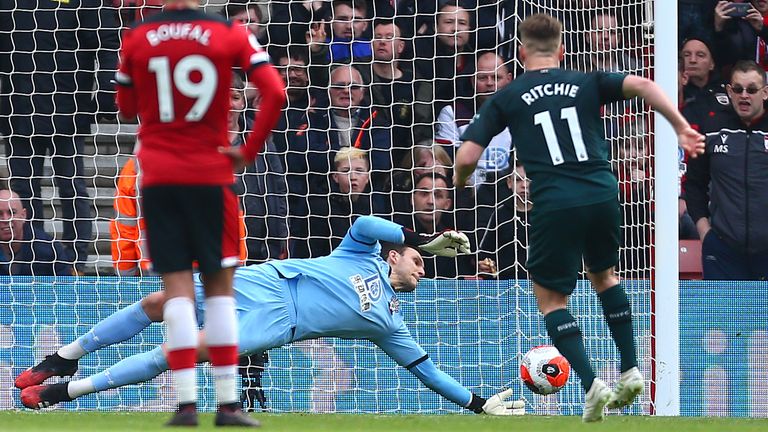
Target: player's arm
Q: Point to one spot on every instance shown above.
(127, 101)
(689, 139)
(485, 125)
(367, 230)
(401, 347)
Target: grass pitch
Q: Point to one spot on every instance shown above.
(50, 421)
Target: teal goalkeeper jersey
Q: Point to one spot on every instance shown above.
(555, 121)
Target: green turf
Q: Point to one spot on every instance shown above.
(146, 422)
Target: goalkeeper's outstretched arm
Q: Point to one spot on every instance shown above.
(370, 229)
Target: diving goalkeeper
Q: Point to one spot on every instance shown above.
(348, 294)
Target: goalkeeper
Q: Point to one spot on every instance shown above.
(348, 294)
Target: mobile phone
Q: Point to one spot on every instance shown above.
(739, 10)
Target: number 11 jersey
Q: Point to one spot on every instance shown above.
(176, 74)
(555, 121)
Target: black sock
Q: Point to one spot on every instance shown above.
(618, 315)
(566, 336)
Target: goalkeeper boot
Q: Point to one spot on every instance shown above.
(232, 415)
(186, 415)
(595, 401)
(43, 396)
(53, 365)
(630, 385)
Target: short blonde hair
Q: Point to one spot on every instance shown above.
(349, 154)
(541, 33)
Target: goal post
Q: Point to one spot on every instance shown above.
(666, 343)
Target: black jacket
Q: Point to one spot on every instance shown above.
(729, 183)
(49, 52)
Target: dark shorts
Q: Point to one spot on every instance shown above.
(558, 240)
(191, 223)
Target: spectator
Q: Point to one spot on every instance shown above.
(347, 123)
(248, 14)
(425, 157)
(446, 56)
(503, 243)
(48, 55)
(700, 67)
(331, 215)
(741, 38)
(695, 19)
(491, 75)
(406, 104)
(289, 20)
(726, 186)
(290, 137)
(345, 43)
(631, 166)
(261, 186)
(606, 49)
(26, 250)
(432, 212)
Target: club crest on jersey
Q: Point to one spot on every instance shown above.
(394, 305)
(722, 98)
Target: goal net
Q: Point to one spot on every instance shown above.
(474, 324)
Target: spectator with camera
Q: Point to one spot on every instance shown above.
(741, 32)
(726, 186)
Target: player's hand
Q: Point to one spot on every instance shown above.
(447, 243)
(498, 405)
(236, 155)
(487, 266)
(691, 141)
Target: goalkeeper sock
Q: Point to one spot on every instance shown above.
(566, 336)
(221, 337)
(135, 369)
(618, 315)
(179, 316)
(120, 326)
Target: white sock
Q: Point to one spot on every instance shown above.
(225, 382)
(221, 331)
(72, 351)
(80, 387)
(186, 385)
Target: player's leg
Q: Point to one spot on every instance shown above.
(170, 240)
(554, 260)
(601, 257)
(132, 370)
(120, 326)
(217, 249)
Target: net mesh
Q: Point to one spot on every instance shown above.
(475, 331)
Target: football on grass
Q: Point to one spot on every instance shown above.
(544, 370)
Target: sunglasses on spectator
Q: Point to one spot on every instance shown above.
(343, 85)
(739, 89)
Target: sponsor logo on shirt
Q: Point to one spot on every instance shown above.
(368, 289)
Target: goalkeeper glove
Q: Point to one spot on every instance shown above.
(497, 405)
(448, 243)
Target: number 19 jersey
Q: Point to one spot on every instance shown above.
(554, 118)
(178, 65)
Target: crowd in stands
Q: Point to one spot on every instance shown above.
(378, 93)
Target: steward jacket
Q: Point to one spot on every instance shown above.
(728, 183)
(130, 254)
